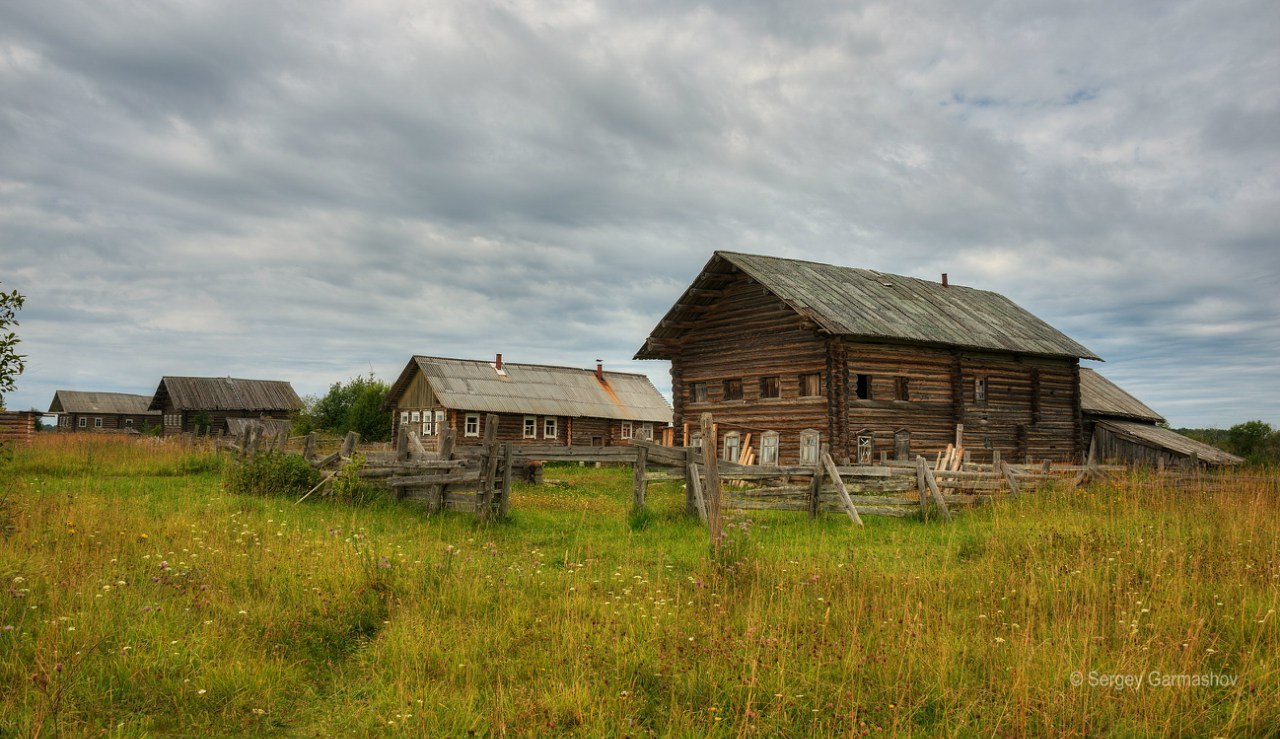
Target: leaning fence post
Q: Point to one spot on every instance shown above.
(937, 494)
(309, 447)
(349, 444)
(1009, 478)
(712, 471)
(402, 443)
(638, 481)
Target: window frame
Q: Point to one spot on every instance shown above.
(646, 431)
(97, 422)
(981, 388)
(625, 431)
(698, 392)
(530, 427)
(810, 440)
(471, 420)
(695, 440)
(902, 388)
(768, 448)
(804, 382)
(736, 438)
(770, 387)
(415, 416)
(552, 423)
(861, 386)
(404, 417)
(865, 447)
(82, 422)
(731, 388)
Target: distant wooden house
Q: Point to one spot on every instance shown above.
(800, 354)
(191, 404)
(534, 404)
(89, 411)
(18, 427)
(1125, 430)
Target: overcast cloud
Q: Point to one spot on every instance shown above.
(313, 190)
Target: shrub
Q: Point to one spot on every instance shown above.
(271, 474)
(349, 487)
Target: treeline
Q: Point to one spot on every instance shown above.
(354, 405)
(1257, 441)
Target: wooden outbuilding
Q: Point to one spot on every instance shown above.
(18, 427)
(534, 403)
(90, 411)
(1126, 430)
(204, 404)
(801, 354)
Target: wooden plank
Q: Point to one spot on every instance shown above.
(450, 478)
(663, 477)
(830, 466)
(695, 486)
(712, 477)
(937, 494)
(922, 486)
(1009, 478)
(349, 444)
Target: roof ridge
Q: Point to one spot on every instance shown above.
(505, 363)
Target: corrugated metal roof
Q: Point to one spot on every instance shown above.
(1102, 397)
(225, 394)
(1173, 441)
(537, 389)
(863, 303)
(78, 401)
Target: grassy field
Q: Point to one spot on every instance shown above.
(137, 597)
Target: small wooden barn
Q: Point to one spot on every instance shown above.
(801, 354)
(1125, 430)
(192, 404)
(90, 411)
(534, 403)
(17, 427)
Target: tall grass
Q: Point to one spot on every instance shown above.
(156, 602)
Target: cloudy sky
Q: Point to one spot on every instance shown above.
(316, 189)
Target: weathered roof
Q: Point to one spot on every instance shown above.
(1155, 436)
(1102, 397)
(270, 426)
(537, 389)
(76, 401)
(224, 394)
(864, 303)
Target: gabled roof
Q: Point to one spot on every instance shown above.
(467, 384)
(863, 303)
(224, 394)
(76, 401)
(1103, 398)
(1154, 436)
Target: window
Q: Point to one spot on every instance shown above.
(646, 432)
(83, 423)
(404, 417)
(698, 392)
(530, 427)
(472, 427)
(866, 447)
(733, 389)
(902, 389)
(809, 447)
(97, 423)
(980, 389)
(769, 448)
(770, 387)
(128, 422)
(173, 419)
(549, 427)
(626, 429)
(810, 385)
(732, 446)
(416, 416)
(902, 445)
(439, 422)
(428, 426)
(862, 387)
(695, 440)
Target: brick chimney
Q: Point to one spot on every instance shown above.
(944, 279)
(497, 363)
(600, 370)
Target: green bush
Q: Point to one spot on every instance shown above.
(271, 474)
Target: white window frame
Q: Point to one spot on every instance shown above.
(128, 422)
(866, 447)
(404, 417)
(97, 423)
(550, 423)
(732, 441)
(769, 448)
(530, 427)
(646, 432)
(82, 422)
(415, 416)
(810, 447)
(428, 426)
(695, 440)
(472, 425)
(625, 433)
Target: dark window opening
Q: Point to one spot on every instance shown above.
(733, 389)
(770, 387)
(901, 388)
(810, 385)
(980, 389)
(862, 387)
(698, 392)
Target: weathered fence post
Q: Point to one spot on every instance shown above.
(923, 487)
(995, 460)
(840, 488)
(711, 470)
(504, 505)
(402, 443)
(445, 447)
(488, 468)
(692, 494)
(936, 493)
(1009, 478)
(309, 447)
(349, 444)
(637, 477)
(815, 485)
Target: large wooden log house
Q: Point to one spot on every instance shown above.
(91, 411)
(801, 354)
(534, 404)
(195, 404)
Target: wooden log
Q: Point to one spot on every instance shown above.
(710, 465)
(695, 490)
(662, 477)
(508, 457)
(936, 493)
(448, 478)
(638, 481)
(1009, 478)
(830, 466)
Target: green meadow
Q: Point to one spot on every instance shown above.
(139, 597)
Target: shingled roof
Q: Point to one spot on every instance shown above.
(224, 394)
(536, 389)
(1103, 398)
(866, 304)
(78, 401)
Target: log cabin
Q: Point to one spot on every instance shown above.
(801, 354)
(534, 404)
(91, 411)
(1125, 430)
(203, 404)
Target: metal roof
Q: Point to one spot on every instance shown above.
(1152, 435)
(1102, 397)
(467, 384)
(77, 401)
(864, 303)
(224, 394)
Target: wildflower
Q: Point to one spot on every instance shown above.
(201, 691)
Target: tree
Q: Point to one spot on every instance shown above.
(1249, 439)
(354, 405)
(11, 362)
